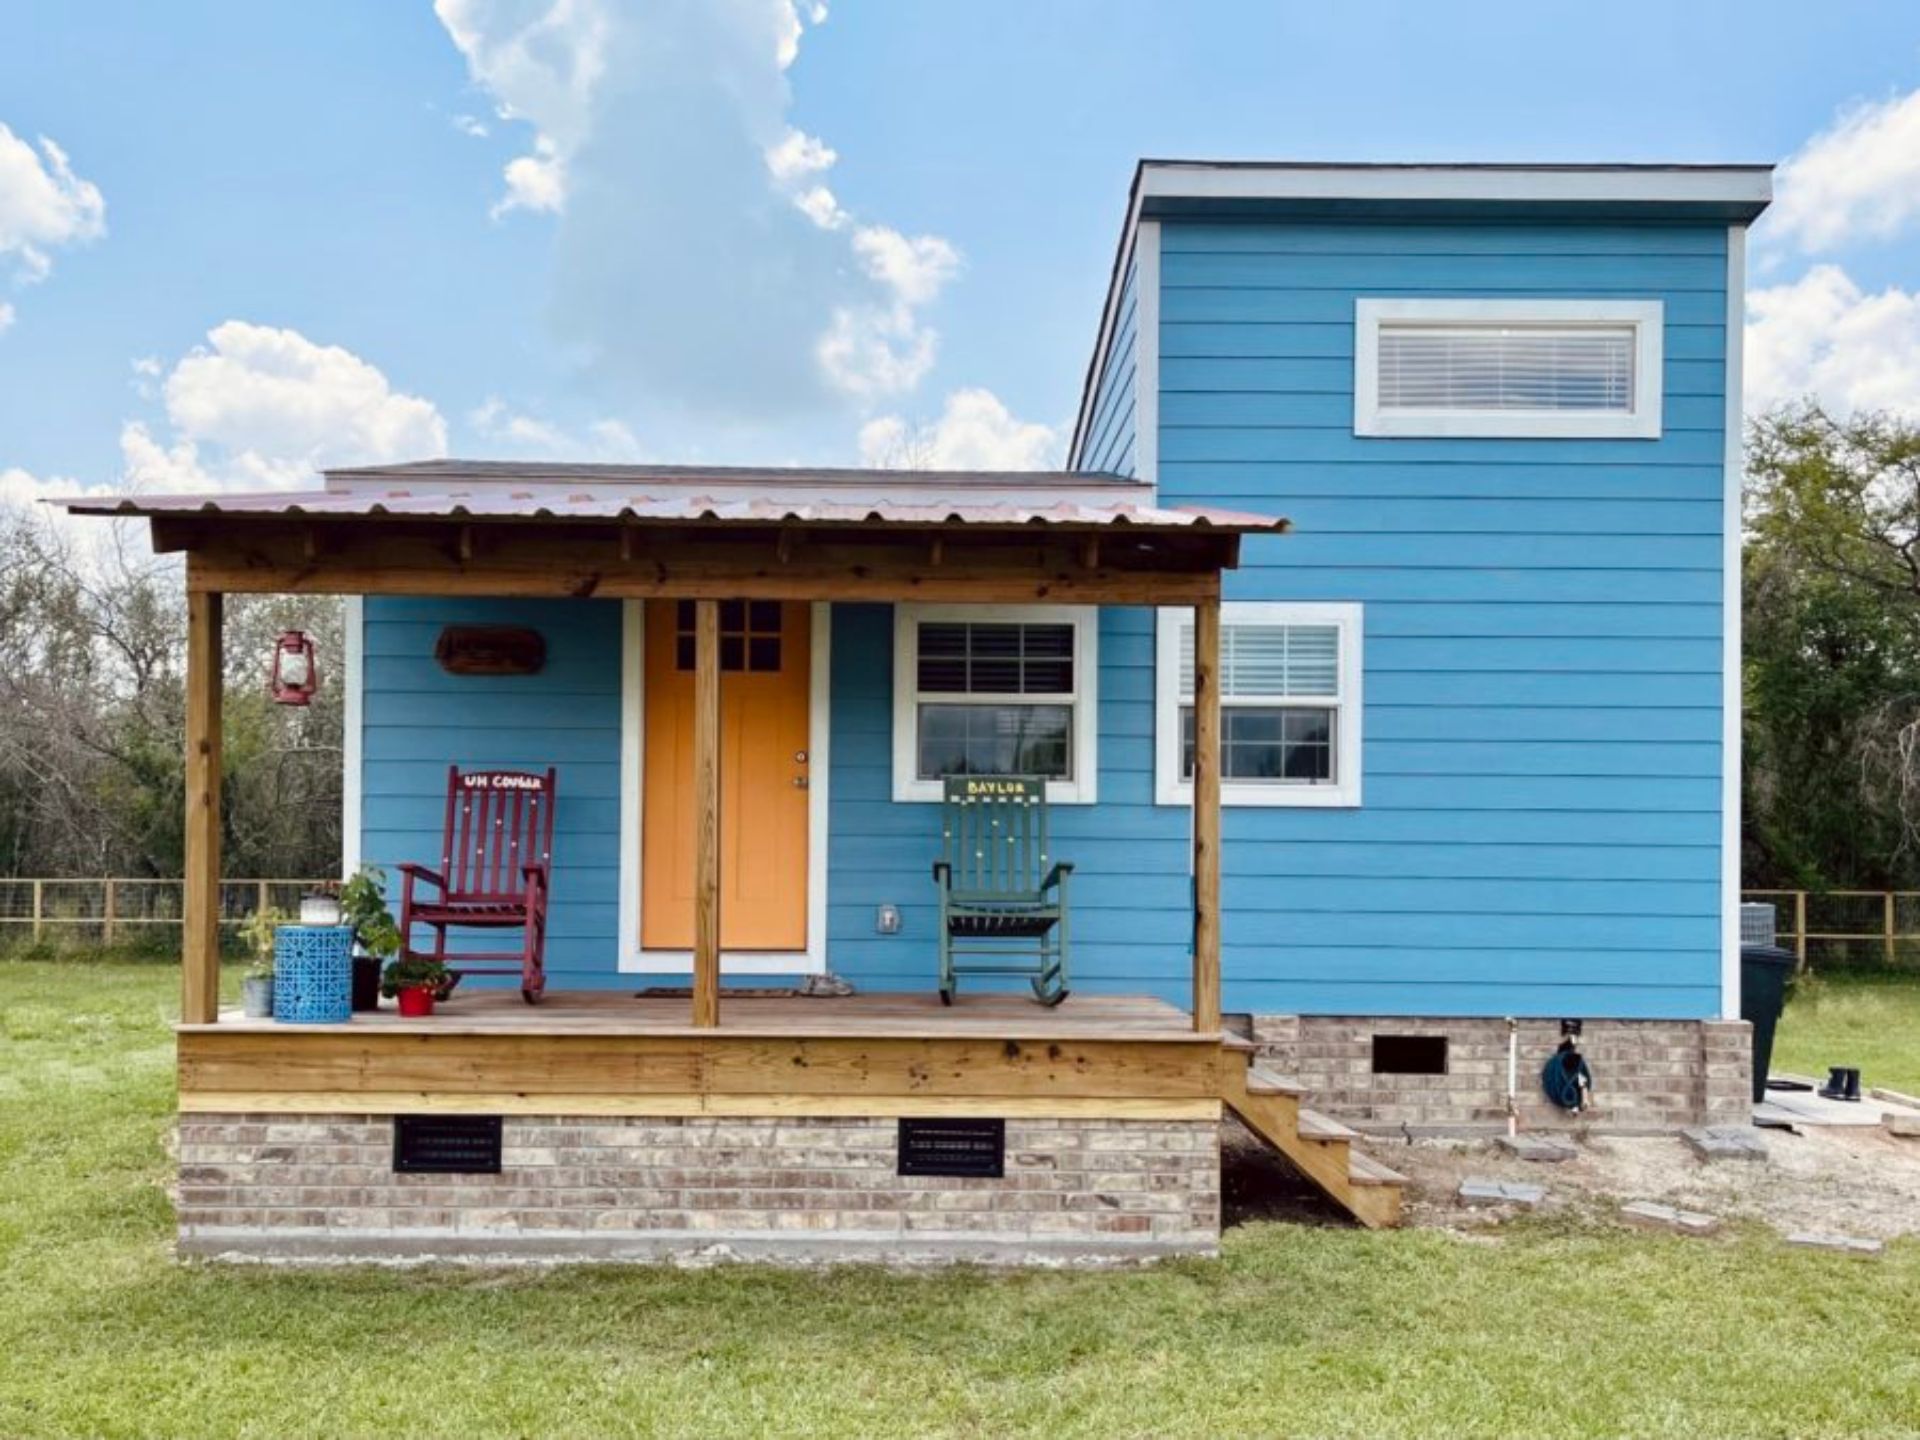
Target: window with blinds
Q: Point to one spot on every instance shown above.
(1503, 367)
(1565, 369)
(1288, 704)
(1004, 690)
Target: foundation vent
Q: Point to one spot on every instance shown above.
(446, 1144)
(953, 1147)
(1409, 1054)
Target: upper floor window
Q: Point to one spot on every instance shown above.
(994, 690)
(1289, 704)
(1567, 369)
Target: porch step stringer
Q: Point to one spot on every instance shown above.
(1318, 1146)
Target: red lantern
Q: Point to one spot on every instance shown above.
(295, 674)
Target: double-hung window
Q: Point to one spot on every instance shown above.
(995, 690)
(1289, 705)
(1548, 369)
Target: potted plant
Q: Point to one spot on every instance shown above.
(256, 986)
(415, 982)
(376, 936)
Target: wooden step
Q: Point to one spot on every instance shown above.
(1262, 1081)
(1315, 1126)
(1365, 1170)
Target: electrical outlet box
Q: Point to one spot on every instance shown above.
(886, 920)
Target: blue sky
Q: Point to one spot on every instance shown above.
(241, 240)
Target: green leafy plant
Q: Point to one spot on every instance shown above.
(257, 933)
(363, 905)
(414, 973)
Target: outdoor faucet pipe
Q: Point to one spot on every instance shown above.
(1513, 1075)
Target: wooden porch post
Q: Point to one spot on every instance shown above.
(706, 809)
(1206, 815)
(200, 891)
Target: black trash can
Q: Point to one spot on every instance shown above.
(1764, 972)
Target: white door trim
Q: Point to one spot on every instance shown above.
(633, 709)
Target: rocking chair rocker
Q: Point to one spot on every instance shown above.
(495, 873)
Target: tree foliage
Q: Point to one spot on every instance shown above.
(92, 705)
(1832, 651)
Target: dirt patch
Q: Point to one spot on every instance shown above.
(1859, 1181)
(1257, 1183)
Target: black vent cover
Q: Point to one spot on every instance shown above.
(953, 1147)
(446, 1144)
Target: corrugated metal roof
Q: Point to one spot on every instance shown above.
(666, 496)
(565, 503)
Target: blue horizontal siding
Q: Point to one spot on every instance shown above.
(418, 719)
(1541, 832)
(1108, 443)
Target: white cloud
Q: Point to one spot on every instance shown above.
(1822, 335)
(44, 207)
(915, 270)
(1859, 178)
(701, 258)
(541, 63)
(260, 405)
(799, 155)
(975, 431)
(7, 316)
(498, 424)
(472, 126)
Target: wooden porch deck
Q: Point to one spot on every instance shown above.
(875, 1015)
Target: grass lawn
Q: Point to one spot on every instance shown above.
(1563, 1327)
(1871, 1022)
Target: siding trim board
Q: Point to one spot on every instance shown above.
(1730, 625)
(633, 958)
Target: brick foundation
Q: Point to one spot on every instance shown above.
(1649, 1075)
(322, 1187)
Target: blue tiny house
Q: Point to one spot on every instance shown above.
(1378, 649)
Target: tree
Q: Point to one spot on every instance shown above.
(1832, 645)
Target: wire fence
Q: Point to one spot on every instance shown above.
(127, 910)
(1845, 929)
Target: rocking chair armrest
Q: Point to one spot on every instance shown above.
(535, 876)
(942, 873)
(1057, 875)
(422, 872)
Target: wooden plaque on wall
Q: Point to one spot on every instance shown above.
(490, 650)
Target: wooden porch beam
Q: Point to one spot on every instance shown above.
(706, 809)
(200, 893)
(1206, 816)
(1001, 568)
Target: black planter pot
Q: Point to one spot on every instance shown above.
(366, 982)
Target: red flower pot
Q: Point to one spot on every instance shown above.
(416, 1000)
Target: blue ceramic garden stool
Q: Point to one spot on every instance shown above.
(313, 974)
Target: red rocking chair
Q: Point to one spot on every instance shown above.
(495, 864)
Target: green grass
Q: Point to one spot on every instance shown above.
(1568, 1326)
(1868, 1021)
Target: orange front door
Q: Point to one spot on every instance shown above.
(765, 664)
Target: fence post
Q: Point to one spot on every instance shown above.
(260, 899)
(107, 917)
(1800, 932)
(1888, 910)
(39, 911)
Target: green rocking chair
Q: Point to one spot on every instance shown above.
(1003, 900)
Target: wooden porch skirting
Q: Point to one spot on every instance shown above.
(609, 1053)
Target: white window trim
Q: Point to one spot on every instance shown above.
(1083, 789)
(1646, 317)
(1169, 788)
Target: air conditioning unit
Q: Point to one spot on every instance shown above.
(1756, 925)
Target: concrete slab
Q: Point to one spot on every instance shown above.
(1478, 1190)
(1907, 1127)
(1726, 1142)
(1806, 1108)
(1544, 1149)
(1655, 1216)
(1840, 1244)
